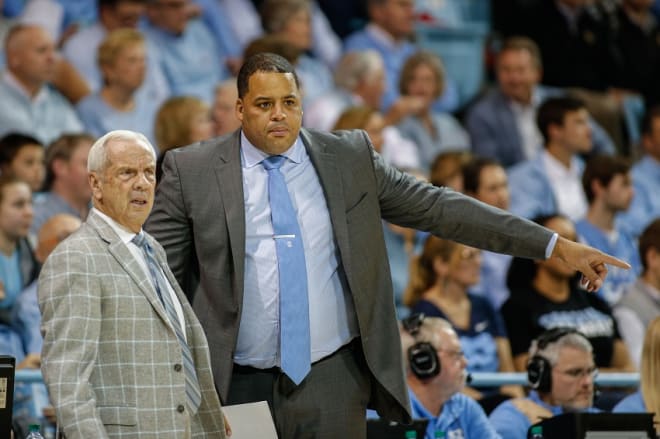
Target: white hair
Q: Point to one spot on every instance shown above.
(357, 66)
(97, 159)
(551, 351)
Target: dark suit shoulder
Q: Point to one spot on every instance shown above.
(336, 139)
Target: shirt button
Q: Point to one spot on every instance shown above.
(177, 368)
(180, 408)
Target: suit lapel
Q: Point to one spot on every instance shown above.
(125, 259)
(230, 186)
(324, 160)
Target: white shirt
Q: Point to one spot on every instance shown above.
(530, 136)
(138, 254)
(566, 185)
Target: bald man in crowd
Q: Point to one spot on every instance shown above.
(27, 104)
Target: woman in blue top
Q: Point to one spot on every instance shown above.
(647, 398)
(439, 282)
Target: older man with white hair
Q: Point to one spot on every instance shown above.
(124, 355)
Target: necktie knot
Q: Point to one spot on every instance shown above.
(140, 240)
(273, 162)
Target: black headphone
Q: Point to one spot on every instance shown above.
(539, 368)
(422, 356)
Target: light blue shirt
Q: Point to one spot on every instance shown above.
(100, 118)
(11, 278)
(449, 136)
(315, 78)
(331, 312)
(461, 418)
(645, 205)
(192, 62)
(492, 278)
(619, 244)
(47, 205)
(631, 404)
(26, 319)
(511, 423)
(46, 116)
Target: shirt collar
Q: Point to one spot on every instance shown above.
(15, 84)
(557, 168)
(252, 156)
(381, 35)
(555, 410)
(125, 235)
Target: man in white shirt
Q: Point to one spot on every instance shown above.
(551, 182)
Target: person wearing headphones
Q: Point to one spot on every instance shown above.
(435, 374)
(560, 372)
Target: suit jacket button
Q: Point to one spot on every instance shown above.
(180, 408)
(177, 368)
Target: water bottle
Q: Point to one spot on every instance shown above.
(439, 434)
(34, 432)
(411, 434)
(537, 432)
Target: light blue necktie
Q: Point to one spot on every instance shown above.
(294, 309)
(193, 395)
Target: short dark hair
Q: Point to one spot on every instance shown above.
(553, 111)
(263, 62)
(472, 172)
(62, 148)
(647, 123)
(602, 168)
(650, 238)
(12, 143)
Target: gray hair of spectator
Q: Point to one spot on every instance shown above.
(357, 66)
(275, 13)
(518, 43)
(551, 351)
(263, 62)
(428, 332)
(98, 154)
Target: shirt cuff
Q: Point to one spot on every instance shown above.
(551, 245)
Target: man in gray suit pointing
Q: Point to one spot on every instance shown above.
(275, 223)
(124, 355)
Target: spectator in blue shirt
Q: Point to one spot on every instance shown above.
(647, 398)
(646, 178)
(608, 187)
(435, 374)
(561, 372)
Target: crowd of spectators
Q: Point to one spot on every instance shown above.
(556, 134)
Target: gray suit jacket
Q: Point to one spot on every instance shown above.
(111, 360)
(199, 217)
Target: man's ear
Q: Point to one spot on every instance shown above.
(95, 184)
(239, 109)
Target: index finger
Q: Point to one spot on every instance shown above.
(611, 260)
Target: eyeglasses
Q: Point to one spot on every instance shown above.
(456, 354)
(579, 373)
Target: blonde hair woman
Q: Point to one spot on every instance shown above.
(647, 398)
(181, 120)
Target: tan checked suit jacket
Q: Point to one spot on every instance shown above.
(111, 360)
